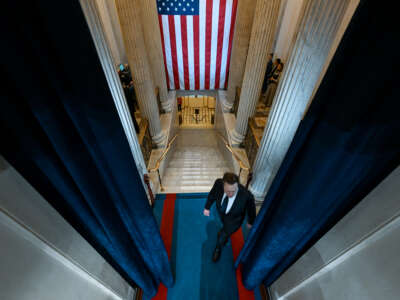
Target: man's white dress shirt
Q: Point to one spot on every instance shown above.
(230, 201)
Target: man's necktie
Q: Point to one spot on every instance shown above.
(224, 204)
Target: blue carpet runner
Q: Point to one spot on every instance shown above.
(190, 239)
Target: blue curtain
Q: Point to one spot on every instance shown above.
(347, 143)
(60, 130)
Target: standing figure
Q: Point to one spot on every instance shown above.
(268, 73)
(273, 83)
(232, 200)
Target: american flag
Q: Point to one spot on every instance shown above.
(197, 42)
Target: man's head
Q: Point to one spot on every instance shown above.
(231, 184)
(277, 62)
(270, 56)
(280, 66)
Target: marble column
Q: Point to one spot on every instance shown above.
(317, 30)
(240, 46)
(132, 32)
(92, 14)
(152, 39)
(262, 36)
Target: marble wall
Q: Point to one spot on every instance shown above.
(357, 258)
(42, 256)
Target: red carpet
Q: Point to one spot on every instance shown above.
(189, 239)
(237, 241)
(166, 230)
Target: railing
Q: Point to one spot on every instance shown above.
(235, 105)
(242, 165)
(158, 163)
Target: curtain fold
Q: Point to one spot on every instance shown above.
(347, 143)
(61, 131)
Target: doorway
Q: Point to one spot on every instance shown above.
(196, 111)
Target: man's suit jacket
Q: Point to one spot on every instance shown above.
(244, 202)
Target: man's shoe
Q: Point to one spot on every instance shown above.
(216, 254)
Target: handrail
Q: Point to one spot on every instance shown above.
(163, 155)
(238, 159)
(157, 166)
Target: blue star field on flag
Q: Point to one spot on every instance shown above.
(178, 7)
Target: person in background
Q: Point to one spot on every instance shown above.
(132, 94)
(179, 104)
(124, 74)
(127, 73)
(130, 97)
(268, 73)
(273, 83)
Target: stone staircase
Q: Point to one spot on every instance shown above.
(194, 168)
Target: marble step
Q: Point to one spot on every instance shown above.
(199, 149)
(186, 151)
(188, 154)
(197, 170)
(186, 189)
(197, 164)
(204, 161)
(196, 155)
(194, 169)
(185, 182)
(192, 176)
(196, 148)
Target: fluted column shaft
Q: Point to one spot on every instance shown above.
(152, 39)
(92, 14)
(132, 31)
(320, 20)
(241, 40)
(262, 35)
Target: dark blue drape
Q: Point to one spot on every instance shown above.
(346, 144)
(60, 129)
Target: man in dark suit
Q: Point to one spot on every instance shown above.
(232, 201)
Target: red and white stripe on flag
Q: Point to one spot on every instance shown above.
(197, 48)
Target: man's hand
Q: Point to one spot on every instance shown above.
(206, 212)
(249, 226)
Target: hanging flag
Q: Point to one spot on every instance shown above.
(197, 42)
